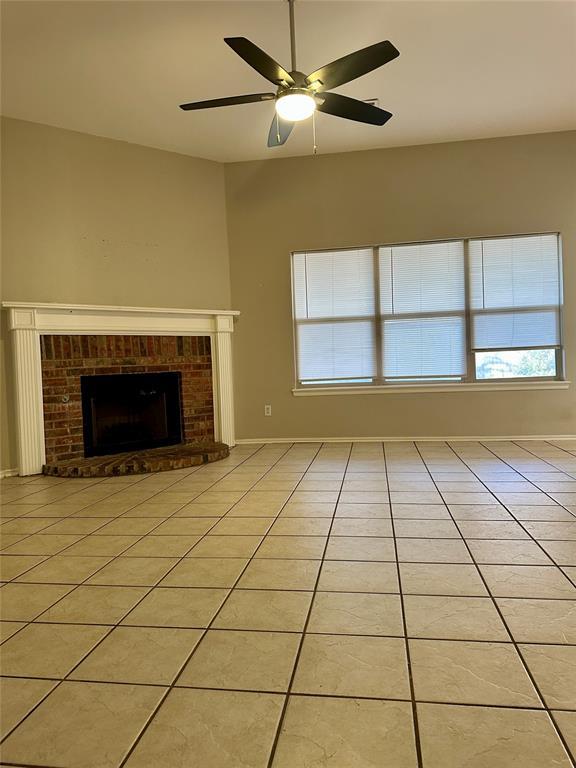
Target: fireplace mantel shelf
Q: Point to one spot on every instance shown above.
(29, 320)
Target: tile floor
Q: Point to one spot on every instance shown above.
(393, 605)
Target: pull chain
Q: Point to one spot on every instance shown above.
(315, 148)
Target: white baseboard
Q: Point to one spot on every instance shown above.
(378, 439)
(8, 473)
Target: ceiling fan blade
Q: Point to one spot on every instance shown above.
(228, 101)
(259, 60)
(352, 109)
(279, 131)
(353, 65)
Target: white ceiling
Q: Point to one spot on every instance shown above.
(467, 69)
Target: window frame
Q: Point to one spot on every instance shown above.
(444, 383)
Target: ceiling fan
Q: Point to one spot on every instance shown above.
(298, 95)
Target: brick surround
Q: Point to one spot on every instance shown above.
(66, 358)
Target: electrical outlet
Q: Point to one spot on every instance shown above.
(267, 410)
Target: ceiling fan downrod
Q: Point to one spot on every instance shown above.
(292, 36)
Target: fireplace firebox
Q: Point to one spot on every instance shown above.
(133, 411)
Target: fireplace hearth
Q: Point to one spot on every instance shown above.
(133, 411)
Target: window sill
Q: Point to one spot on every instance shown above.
(500, 386)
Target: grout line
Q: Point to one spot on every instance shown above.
(405, 627)
(115, 624)
(204, 633)
(505, 623)
(308, 614)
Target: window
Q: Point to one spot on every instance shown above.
(455, 311)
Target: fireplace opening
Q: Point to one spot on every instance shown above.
(132, 411)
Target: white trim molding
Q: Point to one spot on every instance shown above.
(29, 321)
(488, 386)
(410, 439)
(8, 473)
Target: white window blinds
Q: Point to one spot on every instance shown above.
(422, 302)
(418, 312)
(515, 292)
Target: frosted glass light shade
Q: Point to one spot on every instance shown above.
(295, 106)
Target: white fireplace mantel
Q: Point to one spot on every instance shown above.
(28, 321)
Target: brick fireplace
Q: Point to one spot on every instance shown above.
(66, 359)
(55, 344)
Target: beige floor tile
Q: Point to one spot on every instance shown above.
(349, 733)
(554, 669)
(491, 529)
(7, 539)
(321, 481)
(256, 661)
(566, 721)
(23, 602)
(95, 545)
(432, 551)
(562, 552)
(275, 611)
(453, 618)
(226, 546)
(340, 665)
(304, 526)
(415, 497)
(242, 526)
(551, 531)
(186, 526)
(212, 729)
(202, 510)
(130, 526)
(470, 673)
(94, 605)
(177, 607)
(539, 513)
(479, 512)
(356, 614)
(9, 628)
(540, 621)
(48, 650)
(433, 529)
(361, 527)
(369, 511)
(527, 581)
(315, 497)
(150, 655)
(205, 572)
(17, 697)
(83, 724)
(351, 576)
(134, 571)
(486, 737)
(293, 547)
(361, 548)
(420, 512)
(41, 544)
(507, 552)
(162, 546)
(260, 504)
(64, 570)
(441, 579)
(280, 574)
(364, 497)
(30, 525)
(12, 566)
(299, 509)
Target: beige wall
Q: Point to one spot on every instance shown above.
(489, 187)
(90, 220)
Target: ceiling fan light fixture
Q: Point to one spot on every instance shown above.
(295, 106)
